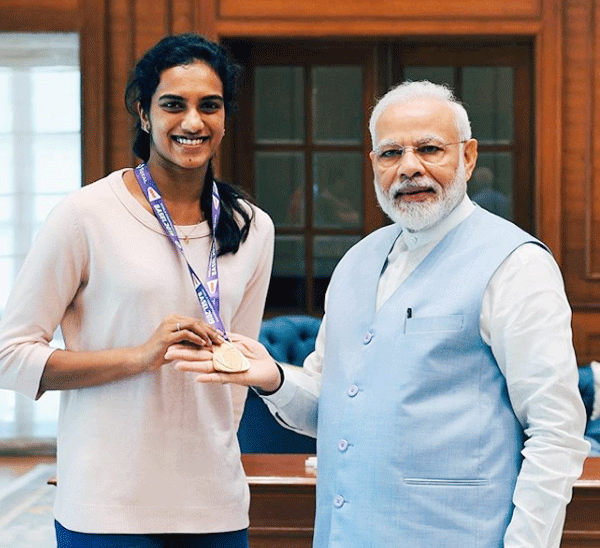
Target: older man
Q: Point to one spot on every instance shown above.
(443, 388)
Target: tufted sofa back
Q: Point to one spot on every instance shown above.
(289, 339)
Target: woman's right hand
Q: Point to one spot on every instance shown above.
(176, 329)
(67, 370)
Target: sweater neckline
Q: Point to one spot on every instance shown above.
(140, 213)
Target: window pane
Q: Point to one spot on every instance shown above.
(55, 100)
(437, 75)
(7, 405)
(338, 105)
(6, 163)
(289, 256)
(5, 99)
(488, 96)
(337, 189)
(42, 204)
(57, 162)
(7, 273)
(7, 229)
(279, 104)
(287, 288)
(491, 183)
(6, 240)
(327, 251)
(279, 179)
(6, 209)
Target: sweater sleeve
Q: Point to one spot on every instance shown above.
(51, 274)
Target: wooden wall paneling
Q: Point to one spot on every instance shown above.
(93, 49)
(577, 177)
(46, 5)
(183, 16)
(576, 128)
(592, 149)
(275, 9)
(206, 18)
(586, 336)
(152, 22)
(372, 214)
(360, 27)
(39, 15)
(121, 47)
(548, 126)
(581, 180)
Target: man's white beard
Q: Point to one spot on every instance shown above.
(417, 216)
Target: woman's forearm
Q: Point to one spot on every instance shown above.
(67, 370)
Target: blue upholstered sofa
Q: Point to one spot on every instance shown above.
(586, 387)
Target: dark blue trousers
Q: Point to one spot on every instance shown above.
(72, 539)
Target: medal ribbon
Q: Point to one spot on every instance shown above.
(209, 297)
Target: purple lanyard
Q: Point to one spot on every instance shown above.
(208, 296)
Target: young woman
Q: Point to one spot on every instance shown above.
(146, 456)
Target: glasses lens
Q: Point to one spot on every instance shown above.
(428, 154)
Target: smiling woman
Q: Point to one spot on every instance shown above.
(186, 119)
(110, 268)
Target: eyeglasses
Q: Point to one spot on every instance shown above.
(428, 153)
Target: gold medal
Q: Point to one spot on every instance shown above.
(229, 359)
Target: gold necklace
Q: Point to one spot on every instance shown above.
(186, 237)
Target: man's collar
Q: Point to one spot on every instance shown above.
(438, 231)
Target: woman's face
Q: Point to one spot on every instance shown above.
(186, 120)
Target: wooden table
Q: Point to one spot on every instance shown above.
(283, 502)
(582, 524)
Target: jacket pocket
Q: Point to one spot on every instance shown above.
(450, 482)
(434, 323)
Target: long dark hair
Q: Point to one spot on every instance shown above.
(184, 49)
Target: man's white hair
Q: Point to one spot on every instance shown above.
(408, 91)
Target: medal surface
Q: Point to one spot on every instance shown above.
(229, 359)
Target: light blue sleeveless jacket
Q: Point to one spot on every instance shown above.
(417, 443)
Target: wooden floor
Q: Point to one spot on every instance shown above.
(13, 467)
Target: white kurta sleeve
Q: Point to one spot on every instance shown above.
(294, 405)
(526, 319)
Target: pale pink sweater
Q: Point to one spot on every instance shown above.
(156, 452)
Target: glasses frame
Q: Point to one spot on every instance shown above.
(389, 162)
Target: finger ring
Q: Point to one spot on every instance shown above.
(178, 326)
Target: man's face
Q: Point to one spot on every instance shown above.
(421, 169)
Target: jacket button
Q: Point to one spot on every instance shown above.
(342, 445)
(368, 336)
(352, 390)
(338, 501)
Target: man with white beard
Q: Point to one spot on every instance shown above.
(443, 387)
